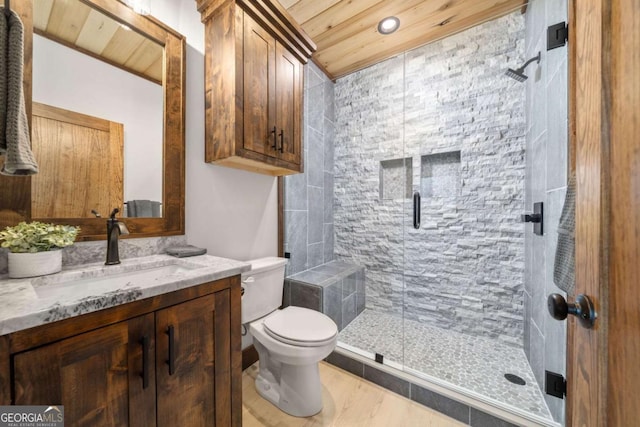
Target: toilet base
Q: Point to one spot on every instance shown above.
(295, 389)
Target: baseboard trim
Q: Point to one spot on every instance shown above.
(249, 357)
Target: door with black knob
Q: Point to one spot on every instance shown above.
(602, 364)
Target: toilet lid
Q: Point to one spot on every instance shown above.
(300, 325)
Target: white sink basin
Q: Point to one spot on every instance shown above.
(123, 280)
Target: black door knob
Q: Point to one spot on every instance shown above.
(582, 308)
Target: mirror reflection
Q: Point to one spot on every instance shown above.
(97, 114)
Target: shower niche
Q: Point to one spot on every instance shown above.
(440, 175)
(396, 179)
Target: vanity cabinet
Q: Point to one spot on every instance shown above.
(167, 361)
(95, 375)
(254, 58)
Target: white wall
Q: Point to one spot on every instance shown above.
(232, 213)
(104, 91)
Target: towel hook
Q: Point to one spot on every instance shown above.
(7, 7)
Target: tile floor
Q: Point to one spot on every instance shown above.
(474, 363)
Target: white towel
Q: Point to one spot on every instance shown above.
(15, 141)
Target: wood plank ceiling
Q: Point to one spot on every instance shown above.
(346, 30)
(76, 25)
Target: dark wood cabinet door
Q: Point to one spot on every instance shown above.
(288, 104)
(185, 363)
(259, 89)
(142, 371)
(95, 375)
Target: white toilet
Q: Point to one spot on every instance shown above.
(290, 342)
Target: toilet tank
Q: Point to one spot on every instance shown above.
(263, 286)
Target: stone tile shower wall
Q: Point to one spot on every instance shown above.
(442, 119)
(546, 181)
(308, 202)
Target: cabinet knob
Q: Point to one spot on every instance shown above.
(281, 141)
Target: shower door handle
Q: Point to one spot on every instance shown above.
(416, 210)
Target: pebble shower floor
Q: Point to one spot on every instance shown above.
(475, 363)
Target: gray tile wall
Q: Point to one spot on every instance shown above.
(546, 178)
(463, 269)
(309, 196)
(336, 289)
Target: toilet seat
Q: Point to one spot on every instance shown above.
(300, 327)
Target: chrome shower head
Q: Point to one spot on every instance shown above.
(516, 74)
(519, 73)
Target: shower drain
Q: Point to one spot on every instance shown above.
(515, 379)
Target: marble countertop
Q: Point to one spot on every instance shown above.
(25, 303)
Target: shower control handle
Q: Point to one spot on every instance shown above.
(582, 308)
(531, 218)
(537, 218)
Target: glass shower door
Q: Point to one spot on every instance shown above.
(372, 184)
(474, 317)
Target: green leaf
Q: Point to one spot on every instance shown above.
(37, 237)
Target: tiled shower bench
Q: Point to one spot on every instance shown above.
(336, 289)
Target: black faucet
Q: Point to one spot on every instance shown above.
(114, 229)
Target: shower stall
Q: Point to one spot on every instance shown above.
(417, 171)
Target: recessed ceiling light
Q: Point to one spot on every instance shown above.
(388, 25)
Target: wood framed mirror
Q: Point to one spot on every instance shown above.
(69, 186)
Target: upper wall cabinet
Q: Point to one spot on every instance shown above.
(254, 84)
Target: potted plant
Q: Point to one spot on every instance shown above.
(34, 248)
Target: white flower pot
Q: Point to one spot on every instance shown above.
(34, 264)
